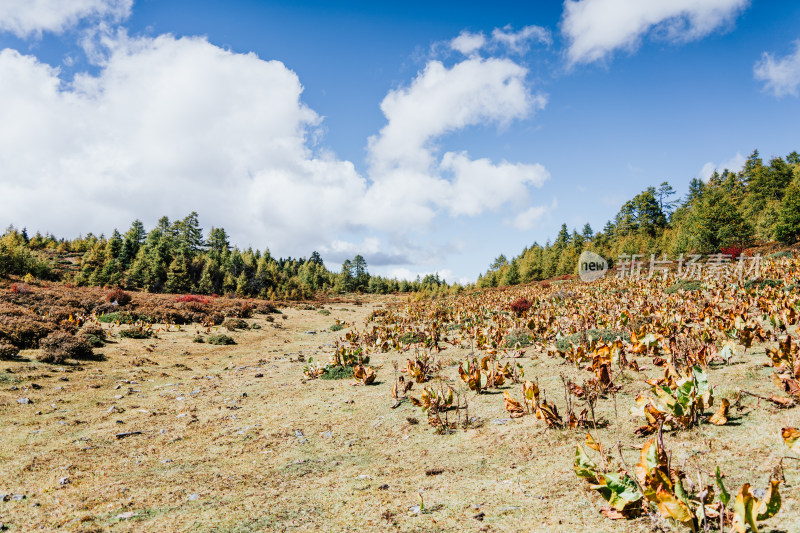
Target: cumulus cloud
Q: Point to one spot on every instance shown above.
(734, 164)
(410, 179)
(24, 18)
(468, 43)
(172, 125)
(595, 28)
(529, 218)
(780, 76)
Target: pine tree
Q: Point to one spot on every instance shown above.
(787, 229)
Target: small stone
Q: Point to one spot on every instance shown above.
(165, 461)
(298, 433)
(64, 481)
(24, 401)
(259, 375)
(327, 434)
(508, 508)
(244, 395)
(194, 497)
(384, 487)
(35, 386)
(18, 497)
(118, 397)
(126, 516)
(500, 421)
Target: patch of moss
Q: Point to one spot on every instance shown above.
(337, 372)
(136, 333)
(604, 335)
(684, 285)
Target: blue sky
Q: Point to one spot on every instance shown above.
(427, 137)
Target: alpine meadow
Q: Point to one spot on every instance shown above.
(349, 266)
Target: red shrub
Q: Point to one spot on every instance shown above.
(520, 305)
(733, 251)
(20, 288)
(119, 296)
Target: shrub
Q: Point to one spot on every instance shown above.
(136, 333)
(220, 340)
(7, 351)
(410, 337)
(198, 339)
(778, 255)
(520, 305)
(733, 251)
(336, 327)
(235, 323)
(119, 296)
(93, 340)
(324, 312)
(94, 329)
(189, 298)
(118, 318)
(20, 288)
(337, 372)
(255, 326)
(24, 331)
(60, 346)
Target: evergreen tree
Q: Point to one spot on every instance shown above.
(787, 229)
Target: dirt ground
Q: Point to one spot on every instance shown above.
(235, 439)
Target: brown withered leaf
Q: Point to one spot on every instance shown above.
(791, 437)
(515, 408)
(593, 444)
(720, 418)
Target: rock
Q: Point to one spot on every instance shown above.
(310, 332)
(327, 434)
(126, 516)
(18, 497)
(64, 481)
(24, 401)
(508, 508)
(259, 375)
(35, 386)
(500, 421)
(127, 434)
(194, 497)
(384, 487)
(115, 409)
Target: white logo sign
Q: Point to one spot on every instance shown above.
(591, 266)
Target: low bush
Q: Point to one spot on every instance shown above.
(118, 317)
(24, 331)
(94, 329)
(191, 298)
(233, 324)
(518, 337)
(410, 337)
(119, 296)
(7, 351)
(198, 339)
(761, 283)
(136, 333)
(93, 340)
(59, 346)
(324, 312)
(337, 372)
(336, 327)
(520, 305)
(220, 340)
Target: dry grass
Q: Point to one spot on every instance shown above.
(223, 450)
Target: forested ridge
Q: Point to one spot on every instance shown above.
(174, 257)
(731, 211)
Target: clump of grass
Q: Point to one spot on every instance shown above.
(220, 340)
(93, 340)
(761, 283)
(136, 333)
(604, 335)
(233, 324)
(337, 372)
(518, 337)
(118, 317)
(59, 346)
(255, 326)
(324, 312)
(198, 339)
(778, 255)
(410, 337)
(684, 285)
(337, 327)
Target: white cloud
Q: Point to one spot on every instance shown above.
(404, 164)
(33, 17)
(528, 219)
(734, 164)
(468, 43)
(518, 42)
(781, 76)
(595, 28)
(173, 125)
(505, 39)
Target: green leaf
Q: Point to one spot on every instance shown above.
(773, 504)
(724, 496)
(584, 466)
(619, 490)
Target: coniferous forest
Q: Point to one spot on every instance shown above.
(730, 211)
